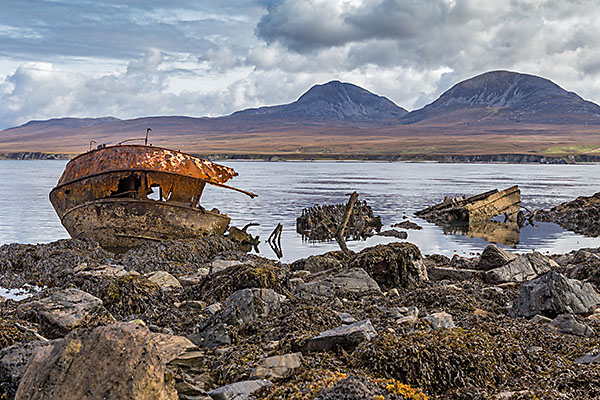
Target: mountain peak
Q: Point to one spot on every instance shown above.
(509, 96)
(334, 100)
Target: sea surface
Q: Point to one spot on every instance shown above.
(394, 190)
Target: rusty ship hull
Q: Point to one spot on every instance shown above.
(124, 195)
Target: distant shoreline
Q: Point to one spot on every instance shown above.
(438, 158)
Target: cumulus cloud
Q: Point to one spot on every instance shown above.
(137, 58)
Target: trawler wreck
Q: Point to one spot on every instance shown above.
(123, 195)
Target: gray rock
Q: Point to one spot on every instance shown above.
(453, 274)
(588, 358)
(164, 280)
(221, 265)
(566, 323)
(64, 311)
(241, 307)
(346, 318)
(440, 320)
(552, 294)
(540, 319)
(238, 390)
(520, 269)
(277, 367)
(213, 308)
(356, 280)
(494, 257)
(346, 337)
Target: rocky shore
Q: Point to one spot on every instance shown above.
(204, 320)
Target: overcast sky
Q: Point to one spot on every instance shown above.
(147, 57)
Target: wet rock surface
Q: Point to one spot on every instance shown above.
(373, 324)
(581, 215)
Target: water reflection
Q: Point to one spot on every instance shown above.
(506, 233)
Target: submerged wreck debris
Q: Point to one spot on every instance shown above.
(125, 194)
(477, 208)
(321, 222)
(471, 216)
(581, 215)
(274, 240)
(245, 239)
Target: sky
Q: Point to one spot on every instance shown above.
(138, 58)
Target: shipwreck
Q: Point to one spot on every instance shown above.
(126, 194)
(472, 216)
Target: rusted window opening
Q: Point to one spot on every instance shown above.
(127, 187)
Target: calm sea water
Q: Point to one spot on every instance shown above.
(285, 188)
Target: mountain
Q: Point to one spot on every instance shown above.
(66, 123)
(334, 100)
(496, 113)
(508, 97)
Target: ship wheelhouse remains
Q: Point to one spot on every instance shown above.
(123, 195)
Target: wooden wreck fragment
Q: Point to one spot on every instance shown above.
(339, 234)
(477, 208)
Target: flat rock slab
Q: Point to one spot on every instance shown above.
(552, 294)
(588, 358)
(345, 336)
(453, 274)
(238, 390)
(277, 367)
(66, 310)
(355, 280)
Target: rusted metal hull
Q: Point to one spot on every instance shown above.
(121, 196)
(120, 224)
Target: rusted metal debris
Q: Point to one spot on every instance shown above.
(477, 208)
(122, 195)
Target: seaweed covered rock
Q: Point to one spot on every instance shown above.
(437, 361)
(49, 264)
(552, 294)
(132, 296)
(581, 215)
(257, 272)
(333, 260)
(351, 388)
(10, 334)
(103, 363)
(65, 310)
(13, 364)
(392, 265)
(321, 221)
(177, 256)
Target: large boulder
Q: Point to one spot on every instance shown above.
(493, 257)
(552, 294)
(353, 281)
(118, 361)
(64, 311)
(522, 268)
(392, 265)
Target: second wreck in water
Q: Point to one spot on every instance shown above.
(123, 195)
